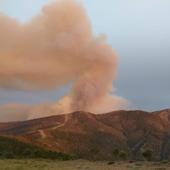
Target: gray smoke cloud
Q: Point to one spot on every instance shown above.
(55, 48)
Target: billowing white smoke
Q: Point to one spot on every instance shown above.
(55, 48)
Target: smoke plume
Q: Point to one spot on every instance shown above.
(55, 48)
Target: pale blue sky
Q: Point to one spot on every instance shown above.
(139, 30)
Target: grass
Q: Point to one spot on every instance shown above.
(44, 164)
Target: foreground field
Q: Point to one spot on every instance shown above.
(78, 165)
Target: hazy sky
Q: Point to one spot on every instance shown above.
(140, 33)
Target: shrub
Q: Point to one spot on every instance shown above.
(147, 154)
(123, 155)
(116, 153)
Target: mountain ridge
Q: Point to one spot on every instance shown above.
(94, 136)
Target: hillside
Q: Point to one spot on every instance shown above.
(13, 148)
(92, 136)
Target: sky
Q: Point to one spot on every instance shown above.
(139, 31)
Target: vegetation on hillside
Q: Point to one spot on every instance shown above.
(120, 154)
(12, 148)
(147, 154)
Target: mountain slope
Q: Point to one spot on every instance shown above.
(14, 148)
(96, 136)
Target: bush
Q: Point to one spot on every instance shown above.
(116, 153)
(147, 154)
(120, 155)
(123, 155)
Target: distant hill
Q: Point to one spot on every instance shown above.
(91, 136)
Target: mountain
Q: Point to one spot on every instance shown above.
(91, 136)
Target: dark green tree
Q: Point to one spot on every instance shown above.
(123, 155)
(147, 154)
(116, 153)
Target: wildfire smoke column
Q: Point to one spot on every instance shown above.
(55, 48)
